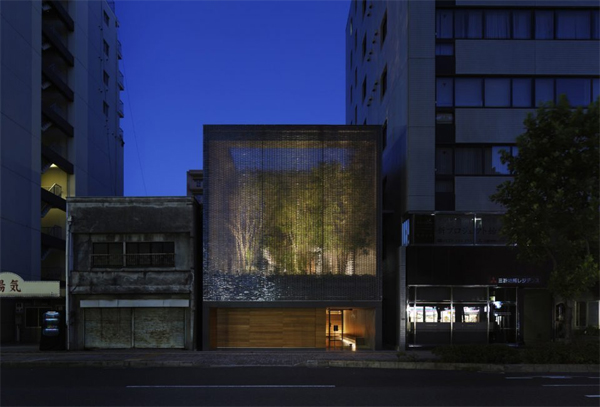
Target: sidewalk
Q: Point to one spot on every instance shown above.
(30, 356)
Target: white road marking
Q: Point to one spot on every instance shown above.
(593, 395)
(569, 385)
(543, 377)
(251, 386)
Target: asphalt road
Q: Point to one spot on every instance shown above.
(291, 386)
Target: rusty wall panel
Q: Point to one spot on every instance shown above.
(107, 328)
(159, 327)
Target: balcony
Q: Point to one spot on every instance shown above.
(55, 41)
(53, 196)
(52, 157)
(53, 114)
(119, 50)
(50, 73)
(133, 260)
(120, 80)
(120, 109)
(62, 13)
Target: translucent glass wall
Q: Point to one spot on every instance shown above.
(291, 213)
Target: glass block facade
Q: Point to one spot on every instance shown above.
(291, 213)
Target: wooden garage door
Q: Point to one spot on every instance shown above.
(107, 328)
(269, 328)
(159, 327)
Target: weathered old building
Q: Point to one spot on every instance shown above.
(132, 272)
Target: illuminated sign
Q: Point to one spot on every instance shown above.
(515, 280)
(12, 285)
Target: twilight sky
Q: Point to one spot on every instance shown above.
(190, 63)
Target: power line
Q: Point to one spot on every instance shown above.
(133, 126)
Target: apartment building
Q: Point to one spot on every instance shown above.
(60, 137)
(451, 83)
(291, 237)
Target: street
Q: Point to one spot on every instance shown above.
(291, 386)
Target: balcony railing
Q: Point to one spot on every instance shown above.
(133, 260)
(54, 189)
(120, 80)
(120, 109)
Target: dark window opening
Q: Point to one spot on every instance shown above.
(383, 81)
(383, 28)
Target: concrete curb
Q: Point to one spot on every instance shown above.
(473, 367)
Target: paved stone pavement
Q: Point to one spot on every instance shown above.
(31, 356)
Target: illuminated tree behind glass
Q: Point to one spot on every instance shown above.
(309, 221)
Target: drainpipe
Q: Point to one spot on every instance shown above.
(68, 263)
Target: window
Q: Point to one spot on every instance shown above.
(596, 24)
(444, 27)
(107, 254)
(364, 7)
(595, 89)
(521, 23)
(364, 89)
(383, 28)
(356, 41)
(350, 28)
(444, 49)
(497, 24)
(105, 78)
(383, 82)
(106, 48)
(468, 92)
(469, 161)
(492, 160)
(521, 92)
(544, 24)
(444, 92)
(443, 162)
(351, 94)
(105, 108)
(106, 19)
(364, 46)
(355, 114)
(572, 24)
(544, 91)
(355, 77)
(578, 91)
(468, 23)
(351, 61)
(497, 92)
(150, 254)
(199, 183)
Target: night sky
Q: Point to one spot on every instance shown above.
(190, 63)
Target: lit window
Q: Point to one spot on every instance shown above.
(493, 161)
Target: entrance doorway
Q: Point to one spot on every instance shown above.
(335, 329)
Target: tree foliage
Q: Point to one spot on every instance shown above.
(552, 202)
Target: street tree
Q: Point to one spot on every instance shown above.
(552, 201)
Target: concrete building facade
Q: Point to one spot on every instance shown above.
(132, 272)
(60, 135)
(451, 83)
